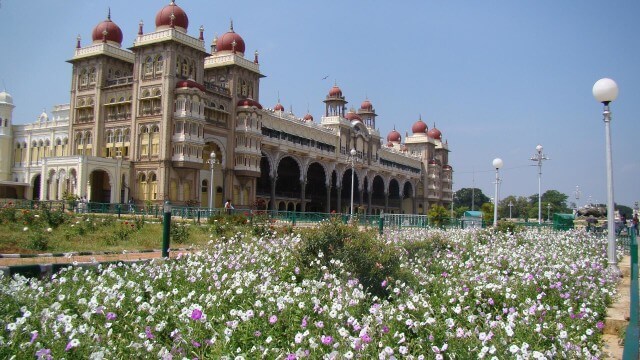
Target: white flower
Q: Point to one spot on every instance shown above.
(25, 229)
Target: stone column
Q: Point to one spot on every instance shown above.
(328, 205)
(272, 203)
(386, 202)
(415, 204)
(303, 185)
(361, 200)
(369, 203)
(339, 205)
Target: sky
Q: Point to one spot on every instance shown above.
(497, 77)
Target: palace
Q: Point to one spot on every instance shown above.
(169, 120)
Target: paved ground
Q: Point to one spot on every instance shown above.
(69, 259)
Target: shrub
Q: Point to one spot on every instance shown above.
(363, 254)
(179, 233)
(509, 227)
(8, 214)
(37, 240)
(54, 218)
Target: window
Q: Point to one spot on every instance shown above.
(92, 76)
(153, 188)
(155, 140)
(148, 66)
(159, 65)
(144, 141)
(142, 187)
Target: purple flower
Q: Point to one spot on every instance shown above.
(327, 340)
(257, 333)
(34, 336)
(600, 325)
(291, 357)
(196, 314)
(365, 338)
(111, 316)
(147, 331)
(384, 283)
(385, 329)
(273, 319)
(44, 354)
(195, 343)
(304, 322)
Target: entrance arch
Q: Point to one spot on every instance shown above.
(100, 186)
(37, 185)
(316, 188)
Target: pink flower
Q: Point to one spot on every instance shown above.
(111, 316)
(273, 319)
(327, 340)
(196, 314)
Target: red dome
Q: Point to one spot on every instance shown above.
(278, 107)
(433, 162)
(351, 115)
(248, 102)
(434, 133)
(419, 127)
(366, 105)
(113, 32)
(308, 117)
(394, 136)
(189, 84)
(180, 19)
(335, 91)
(226, 42)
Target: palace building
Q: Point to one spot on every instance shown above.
(143, 122)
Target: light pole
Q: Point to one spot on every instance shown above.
(548, 211)
(538, 157)
(212, 161)
(166, 227)
(605, 91)
(353, 163)
(497, 163)
(577, 194)
(510, 206)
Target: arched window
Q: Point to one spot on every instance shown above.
(92, 76)
(155, 140)
(153, 187)
(142, 187)
(159, 65)
(148, 66)
(84, 77)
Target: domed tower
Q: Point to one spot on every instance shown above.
(335, 102)
(6, 135)
(368, 114)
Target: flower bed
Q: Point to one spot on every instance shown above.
(470, 294)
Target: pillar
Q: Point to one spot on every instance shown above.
(369, 210)
(272, 202)
(303, 185)
(386, 202)
(415, 204)
(339, 205)
(328, 205)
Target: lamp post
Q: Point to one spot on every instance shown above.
(548, 211)
(212, 161)
(538, 157)
(577, 194)
(353, 163)
(497, 163)
(510, 206)
(605, 91)
(166, 227)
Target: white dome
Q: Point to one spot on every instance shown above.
(6, 98)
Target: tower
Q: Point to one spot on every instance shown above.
(6, 135)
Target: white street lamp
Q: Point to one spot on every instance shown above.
(353, 162)
(510, 206)
(577, 194)
(548, 211)
(212, 161)
(605, 91)
(497, 164)
(538, 157)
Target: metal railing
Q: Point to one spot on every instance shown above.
(632, 335)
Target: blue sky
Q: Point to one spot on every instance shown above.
(497, 77)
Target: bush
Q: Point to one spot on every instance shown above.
(54, 218)
(363, 254)
(179, 233)
(8, 214)
(508, 227)
(37, 240)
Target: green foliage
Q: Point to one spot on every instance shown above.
(363, 254)
(37, 240)
(509, 227)
(437, 215)
(464, 196)
(121, 232)
(487, 210)
(179, 232)
(54, 218)
(8, 214)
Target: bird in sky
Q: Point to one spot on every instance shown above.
(324, 78)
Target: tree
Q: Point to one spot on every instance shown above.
(624, 210)
(487, 212)
(464, 196)
(519, 210)
(438, 214)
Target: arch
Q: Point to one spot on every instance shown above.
(263, 185)
(378, 191)
(347, 188)
(36, 185)
(408, 190)
(288, 177)
(316, 187)
(100, 183)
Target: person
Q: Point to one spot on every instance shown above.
(634, 223)
(228, 206)
(131, 205)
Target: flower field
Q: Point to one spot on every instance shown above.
(463, 294)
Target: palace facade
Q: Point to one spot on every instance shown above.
(143, 124)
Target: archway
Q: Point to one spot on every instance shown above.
(407, 198)
(394, 196)
(263, 185)
(37, 185)
(346, 191)
(288, 182)
(377, 192)
(100, 187)
(316, 188)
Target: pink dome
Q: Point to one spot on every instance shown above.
(227, 40)
(189, 84)
(394, 136)
(249, 102)
(108, 27)
(278, 107)
(351, 115)
(366, 105)
(308, 117)
(335, 91)
(434, 133)
(419, 127)
(180, 19)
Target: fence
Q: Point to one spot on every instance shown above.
(632, 335)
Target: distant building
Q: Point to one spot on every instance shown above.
(142, 122)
